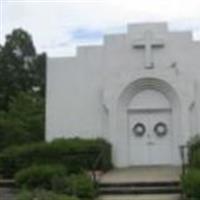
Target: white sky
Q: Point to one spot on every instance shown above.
(57, 27)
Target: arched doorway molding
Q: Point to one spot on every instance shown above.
(119, 126)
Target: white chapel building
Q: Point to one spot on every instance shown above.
(139, 90)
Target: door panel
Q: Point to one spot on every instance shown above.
(138, 148)
(160, 150)
(150, 149)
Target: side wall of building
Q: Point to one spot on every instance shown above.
(74, 96)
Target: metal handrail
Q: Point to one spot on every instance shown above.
(184, 150)
(95, 166)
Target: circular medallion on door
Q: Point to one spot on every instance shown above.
(139, 129)
(160, 129)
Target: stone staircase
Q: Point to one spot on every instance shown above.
(140, 190)
(7, 190)
(7, 194)
(140, 184)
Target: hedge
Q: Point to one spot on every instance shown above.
(56, 179)
(194, 152)
(191, 183)
(42, 195)
(81, 185)
(195, 159)
(75, 154)
(39, 176)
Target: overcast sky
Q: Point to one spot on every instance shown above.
(57, 27)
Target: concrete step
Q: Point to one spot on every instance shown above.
(140, 190)
(140, 197)
(7, 194)
(140, 184)
(7, 183)
(7, 189)
(142, 174)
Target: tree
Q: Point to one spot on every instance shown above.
(21, 69)
(22, 90)
(24, 120)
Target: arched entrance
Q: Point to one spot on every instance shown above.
(150, 129)
(149, 113)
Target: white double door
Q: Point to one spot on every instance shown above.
(150, 148)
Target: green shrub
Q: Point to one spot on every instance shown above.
(191, 183)
(194, 151)
(85, 152)
(54, 178)
(42, 195)
(195, 159)
(76, 154)
(81, 186)
(16, 158)
(39, 176)
(60, 184)
(23, 122)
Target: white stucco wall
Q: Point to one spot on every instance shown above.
(83, 92)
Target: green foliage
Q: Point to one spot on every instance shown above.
(75, 154)
(21, 40)
(56, 179)
(21, 69)
(194, 151)
(191, 180)
(98, 150)
(60, 184)
(81, 185)
(24, 121)
(39, 176)
(195, 158)
(43, 195)
(191, 183)
(22, 86)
